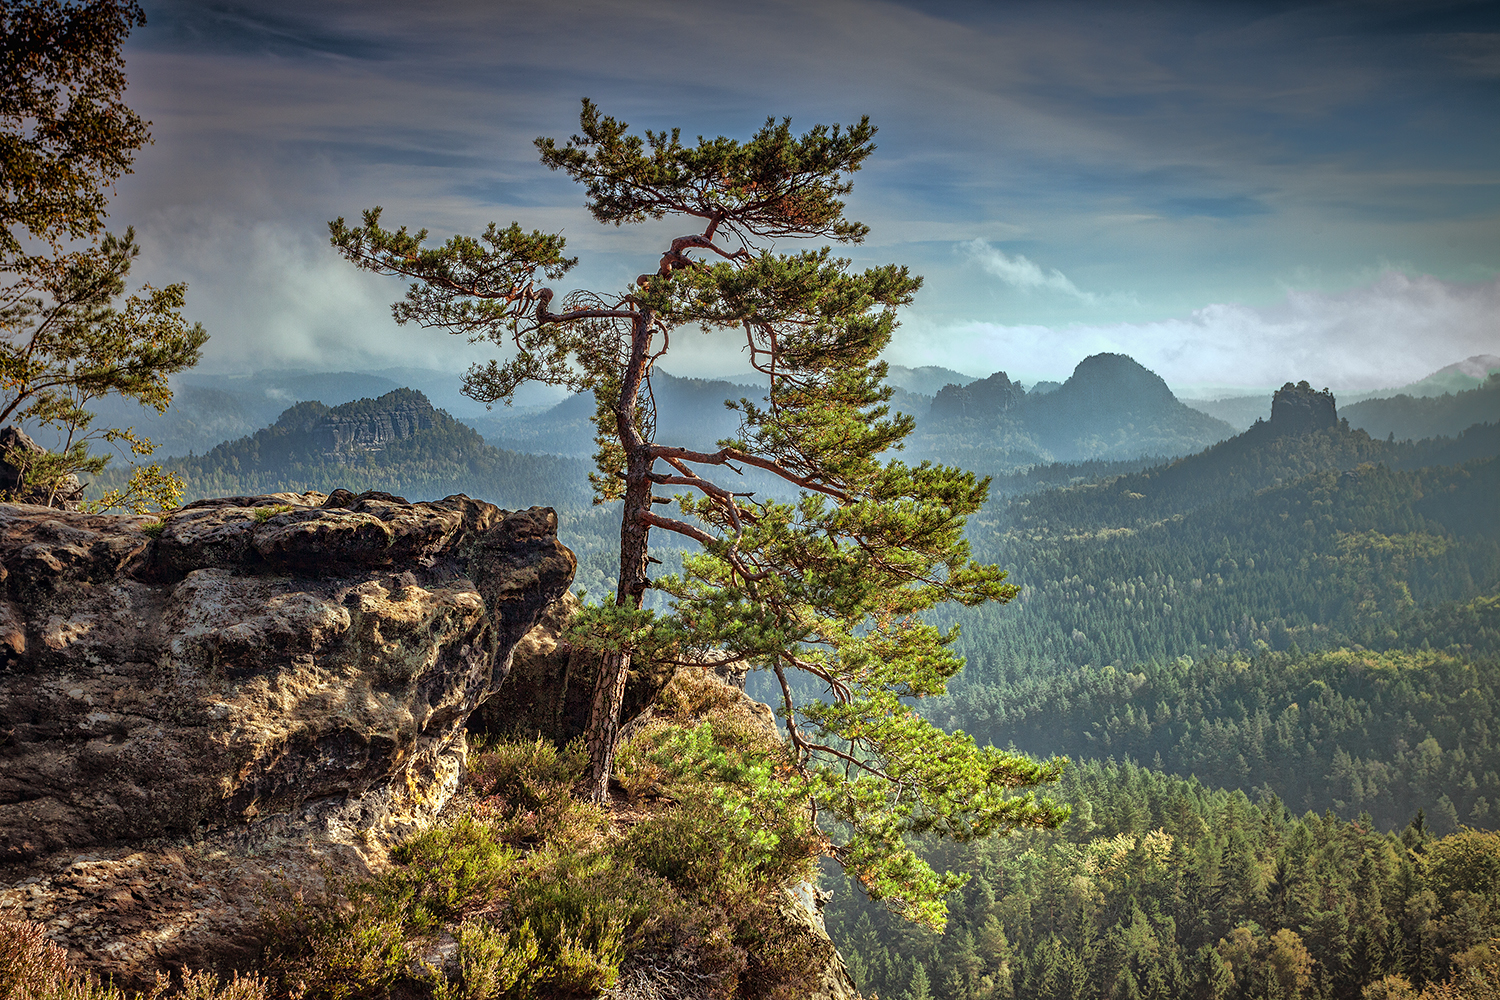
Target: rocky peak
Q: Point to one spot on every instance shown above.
(1115, 383)
(362, 425)
(1301, 409)
(984, 398)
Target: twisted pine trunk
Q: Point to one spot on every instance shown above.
(603, 729)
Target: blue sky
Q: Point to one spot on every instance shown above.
(1234, 194)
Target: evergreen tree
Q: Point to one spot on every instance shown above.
(918, 988)
(65, 137)
(832, 582)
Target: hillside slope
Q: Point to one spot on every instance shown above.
(1404, 417)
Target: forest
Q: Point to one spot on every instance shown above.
(1273, 667)
(1162, 887)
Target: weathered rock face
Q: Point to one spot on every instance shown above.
(1301, 409)
(363, 425)
(986, 398)
(248, 673)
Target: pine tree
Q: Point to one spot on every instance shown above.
(919, 988)
(833, 581)
(65, 137)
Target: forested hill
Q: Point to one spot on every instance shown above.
(1300, 617)
(1377, 556)
(689, 412)
(1304, 436)
(1299, 531)
(398, 443)
(1111, 408)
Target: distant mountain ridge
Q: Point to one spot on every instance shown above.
(1111, 407)
(1469, 373)
(398, 443)
(928, 380)
(209, 409)
(1455, 379)
(1305, 436)
(1408, 417)
(689, 411)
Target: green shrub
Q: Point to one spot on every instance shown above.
(739, 822)
(265, 513)
(527, 773)
(493, 964)
(691, 883)
(526, 794)
(444, 871)
(327, 949)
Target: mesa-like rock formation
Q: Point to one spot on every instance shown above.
(249, 684)
(1301, 409)
(986, 398)
(363, 425)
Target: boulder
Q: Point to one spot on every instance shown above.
(192, 703)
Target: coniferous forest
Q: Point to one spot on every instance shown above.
(1273, 666)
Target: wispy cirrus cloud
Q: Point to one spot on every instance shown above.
(1020, 271)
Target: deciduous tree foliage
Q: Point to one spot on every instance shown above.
(831, 579)
(66, 134)
(65, 137)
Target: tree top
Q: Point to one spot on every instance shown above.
(774, 185)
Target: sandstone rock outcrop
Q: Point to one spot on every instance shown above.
(551, 684)
(986, 398)
(362, 425)
(188, 704)
(1301, 409)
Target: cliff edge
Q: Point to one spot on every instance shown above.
(249, 685)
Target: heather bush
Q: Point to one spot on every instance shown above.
(33, 968)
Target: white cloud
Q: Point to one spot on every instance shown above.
(1388, 332)
(1020, 271)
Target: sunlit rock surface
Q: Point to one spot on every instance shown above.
(253, 684)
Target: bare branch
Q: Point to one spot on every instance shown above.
(680, 527)
(725, 455)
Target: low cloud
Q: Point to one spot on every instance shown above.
(1389, 332)
(1021, 272)
(276, 296)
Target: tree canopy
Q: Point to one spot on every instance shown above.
(65, 137)
(827, 565)
(65, 132)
